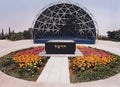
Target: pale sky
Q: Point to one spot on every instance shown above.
(19, 14)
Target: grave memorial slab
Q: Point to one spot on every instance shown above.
(60, 47)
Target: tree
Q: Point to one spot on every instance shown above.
(2, 32)
(114, 35)
(117, 35)
(2, 35)
(26, 34)
(9, 31)
(9, 34)
(100, 37)
(17, 36)
(111, 35)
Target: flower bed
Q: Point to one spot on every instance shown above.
(24, 64)
(94, 65)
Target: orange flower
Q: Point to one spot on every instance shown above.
(21, 65)
(93, 60)
(26, 59)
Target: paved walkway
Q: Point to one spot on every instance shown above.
(56, 71)
(8, 81)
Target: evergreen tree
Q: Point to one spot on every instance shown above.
(2, 35)
(2, 32)
(9, 31)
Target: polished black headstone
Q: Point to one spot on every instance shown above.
(60, 47)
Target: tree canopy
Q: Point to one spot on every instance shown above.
(11, 35)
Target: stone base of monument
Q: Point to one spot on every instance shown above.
(60, 47)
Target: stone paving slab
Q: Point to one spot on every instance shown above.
(56, 71)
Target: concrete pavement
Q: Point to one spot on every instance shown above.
(56, 71)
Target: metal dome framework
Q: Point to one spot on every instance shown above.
(64, 21)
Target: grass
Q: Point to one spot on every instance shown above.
(10, 67)
(95, 73)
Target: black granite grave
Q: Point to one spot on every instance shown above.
(60, 47)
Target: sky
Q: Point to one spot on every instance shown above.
(19, 14)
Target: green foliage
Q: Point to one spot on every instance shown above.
(6, 60)
(11, 35)
(2, 32)
(30, 72)
(114, 35)
(16, 36)
(97, 72)
(100, 37)
(20, 35)
(32, 69)
(2, 35)
(26, 34)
